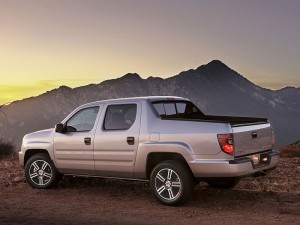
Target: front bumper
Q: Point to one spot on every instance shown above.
(239, 167)
(21, 158)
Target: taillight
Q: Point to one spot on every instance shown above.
(273, 139)
(226, 143)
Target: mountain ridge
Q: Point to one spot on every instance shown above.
(215, 88)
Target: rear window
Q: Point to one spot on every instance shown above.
(177, 109)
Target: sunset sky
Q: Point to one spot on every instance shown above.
(45, 44)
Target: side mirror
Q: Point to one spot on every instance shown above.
(59, 128)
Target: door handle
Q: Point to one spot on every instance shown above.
(254, 135)
(87, 141)
(130, 140)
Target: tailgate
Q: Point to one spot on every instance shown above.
(252, 139)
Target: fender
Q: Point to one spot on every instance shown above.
(144, 149)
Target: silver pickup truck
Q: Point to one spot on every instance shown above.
(166, 140)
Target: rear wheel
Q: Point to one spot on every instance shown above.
(228, 184)
(40, 172)
(196, 182)
(171, 182)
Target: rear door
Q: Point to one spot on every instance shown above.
(252, 139)
(116, 140)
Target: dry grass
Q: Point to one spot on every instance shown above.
(6, 148)
(290, 151)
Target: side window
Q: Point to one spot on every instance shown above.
(181, 107)
(83, 120)
(119, 117)
(160, 108)
(165, 108)
(170, 109)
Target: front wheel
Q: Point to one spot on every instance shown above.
(40, 172)
(171, 182)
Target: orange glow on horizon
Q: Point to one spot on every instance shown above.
(46, 44)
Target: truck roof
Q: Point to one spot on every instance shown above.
(143, 98)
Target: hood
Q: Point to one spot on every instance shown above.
(40, 134)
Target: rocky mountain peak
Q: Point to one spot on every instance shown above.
(216, 63)
(131, 76)
(214, 87)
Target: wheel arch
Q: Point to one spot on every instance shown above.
(31, 152)
(154, 158)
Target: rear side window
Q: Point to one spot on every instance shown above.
(177, 109)
(119, 117)
(83, 120)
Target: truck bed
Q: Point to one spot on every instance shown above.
(251, 135)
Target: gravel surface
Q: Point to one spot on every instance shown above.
(272, 199)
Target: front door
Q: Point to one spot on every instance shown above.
(73, 149)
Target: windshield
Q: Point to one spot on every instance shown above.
(177, 110)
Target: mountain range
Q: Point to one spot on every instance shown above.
(215, 88)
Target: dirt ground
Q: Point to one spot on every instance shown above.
(273, 199)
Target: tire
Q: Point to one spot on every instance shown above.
(171, 182)
(196, 182)
(223, 184)
(40, 172)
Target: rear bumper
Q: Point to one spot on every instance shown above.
(239, 167)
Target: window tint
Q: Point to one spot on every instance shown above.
(170, 109)
(83, 120)
(181, 107)
(177, 109)
(120, 117)
(159, 109)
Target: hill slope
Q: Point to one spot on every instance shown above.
(214, 87)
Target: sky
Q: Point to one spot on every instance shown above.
(46, 44)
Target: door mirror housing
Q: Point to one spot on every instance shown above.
(59, 128)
